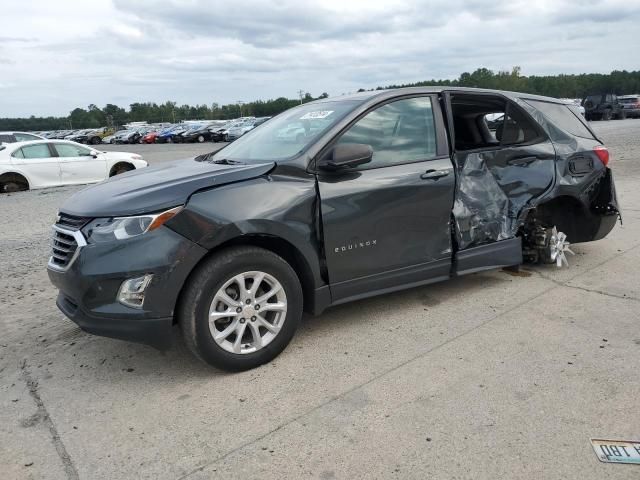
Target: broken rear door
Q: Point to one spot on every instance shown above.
(500, 177)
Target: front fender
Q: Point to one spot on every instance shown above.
(278, 206)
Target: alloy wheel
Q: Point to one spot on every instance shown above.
(247, 312)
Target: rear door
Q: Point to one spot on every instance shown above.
(78, 165)
(501, 174)
(39, 164)
(387, 223)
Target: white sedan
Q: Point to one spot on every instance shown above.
(50, 163)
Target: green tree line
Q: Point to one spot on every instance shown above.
(560, 86)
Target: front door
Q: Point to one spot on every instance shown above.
(387, 223)
(78, 165)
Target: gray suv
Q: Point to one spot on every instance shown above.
(375, 192)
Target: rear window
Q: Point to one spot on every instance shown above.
(629, 100)
(562, 117)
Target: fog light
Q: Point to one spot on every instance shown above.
(131, 291)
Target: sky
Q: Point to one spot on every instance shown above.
(55, 56)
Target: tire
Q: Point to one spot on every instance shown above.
(204, 288)
(606, 115)
(622, 115)
(200, 138)
(169, 140)
(96, 141)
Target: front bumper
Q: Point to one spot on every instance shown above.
(89, 287)
(156, 332)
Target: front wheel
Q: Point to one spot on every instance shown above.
(606, 115)
(241, 308)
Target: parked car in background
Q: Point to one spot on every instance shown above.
(198, 133)
(128, 136)
(60, 134)
(150, 136)
(236, 244)
(12, 137)
(219, 130)
(603, 107)
(49, 163)
(168, 135)
(631, 105)
(89, 136)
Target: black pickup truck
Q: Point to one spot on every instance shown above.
(329, 202)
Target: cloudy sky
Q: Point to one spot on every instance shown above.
(55, 56)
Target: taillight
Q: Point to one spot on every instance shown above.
(602, 153)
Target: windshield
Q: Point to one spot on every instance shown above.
(287, 134)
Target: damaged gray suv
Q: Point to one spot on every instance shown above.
(329, 202)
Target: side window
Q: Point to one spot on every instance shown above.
(563, 117)
(36, 151)
(69, 150)
(399, 132)
(4, 138)
(17, 154)
(516, 128)
(25, 137)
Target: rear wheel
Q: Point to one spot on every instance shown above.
(10, 183)
(96, 140)
(606, 115)
(13, 185)
(200, 138)
(241, 308)
(622, 115)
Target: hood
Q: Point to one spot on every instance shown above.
(156, 188)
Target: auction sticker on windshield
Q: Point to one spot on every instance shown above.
(316, 115)
(616, 451)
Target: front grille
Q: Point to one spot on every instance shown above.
(67, 240)
(64, 247)
(71, 222)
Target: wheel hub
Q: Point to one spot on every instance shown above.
(559, 247)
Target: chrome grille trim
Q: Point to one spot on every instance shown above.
(71, 222)
(65, 254)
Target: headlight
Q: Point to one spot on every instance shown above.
(121, 228)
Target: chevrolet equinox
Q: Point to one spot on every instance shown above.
(375, 192)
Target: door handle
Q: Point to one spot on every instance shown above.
(434, 174)
(521, 161)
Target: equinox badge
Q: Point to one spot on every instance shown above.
(355, 245)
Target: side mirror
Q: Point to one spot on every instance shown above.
(346, 155)
(94, 154)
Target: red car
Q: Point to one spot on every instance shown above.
(150, 137)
